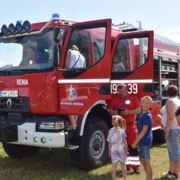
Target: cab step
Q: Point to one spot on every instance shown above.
(70, 146)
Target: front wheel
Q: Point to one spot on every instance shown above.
(19, 151)
(93, 149)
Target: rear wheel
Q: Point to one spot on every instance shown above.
(19, 151)
(93, 149)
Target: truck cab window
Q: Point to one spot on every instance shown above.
(84, 49)
(98, 49)
(130, 54)
(77, 51)
(120, 57)
(90, 44)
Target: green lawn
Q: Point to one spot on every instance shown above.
(56, 165)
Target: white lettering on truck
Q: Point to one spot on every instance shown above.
(21, 82)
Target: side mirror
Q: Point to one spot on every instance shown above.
(58, 34)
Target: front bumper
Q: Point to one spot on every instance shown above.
(26, 134)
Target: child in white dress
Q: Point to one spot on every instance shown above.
(118, 148)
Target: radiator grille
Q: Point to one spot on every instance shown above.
(15, 105)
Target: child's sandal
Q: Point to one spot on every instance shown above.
(175, 175)
(167, 174)
(172, 176)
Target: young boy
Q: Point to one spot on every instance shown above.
(144, 137)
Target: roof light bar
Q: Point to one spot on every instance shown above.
(25, 27)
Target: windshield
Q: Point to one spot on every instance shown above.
(27, 52)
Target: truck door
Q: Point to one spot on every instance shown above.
(79, 87)
(132, 63)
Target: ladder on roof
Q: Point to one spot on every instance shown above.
(124, 27)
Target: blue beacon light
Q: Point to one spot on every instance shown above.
(55, 15)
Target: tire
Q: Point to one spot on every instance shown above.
(158, 136)
(93, 148)
(19, 151)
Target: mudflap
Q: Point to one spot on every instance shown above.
(8, 133)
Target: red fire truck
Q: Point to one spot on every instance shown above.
(38, 94)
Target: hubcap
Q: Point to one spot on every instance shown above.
(97, 144)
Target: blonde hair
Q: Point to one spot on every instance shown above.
(74, 47)
(148, 98)
(119, 121)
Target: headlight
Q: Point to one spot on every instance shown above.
(51, 126)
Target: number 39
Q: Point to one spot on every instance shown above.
(132, 88)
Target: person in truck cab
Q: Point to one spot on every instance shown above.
(30, 56)
(118, 62)
(118, 65)
(74, 58)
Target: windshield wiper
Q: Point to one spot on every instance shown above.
(5, 72)
(27, 70)
(72, 69)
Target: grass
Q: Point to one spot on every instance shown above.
(56, 165)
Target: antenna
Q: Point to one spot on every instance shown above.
(140, 25)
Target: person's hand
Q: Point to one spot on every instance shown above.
(134, 145)
(125, 112)
(109, 154)
(137, 146)
(116, 112)
(166, 135)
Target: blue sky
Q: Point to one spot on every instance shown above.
(162, 16)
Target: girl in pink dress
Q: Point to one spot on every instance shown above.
(117, 145)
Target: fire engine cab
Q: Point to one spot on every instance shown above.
(38, 91)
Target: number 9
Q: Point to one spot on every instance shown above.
(113, 88)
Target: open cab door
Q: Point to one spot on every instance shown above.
(132, 62)
(85, 86)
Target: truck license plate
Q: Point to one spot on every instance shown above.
(9, 93)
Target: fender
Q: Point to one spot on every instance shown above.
(82, 125)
